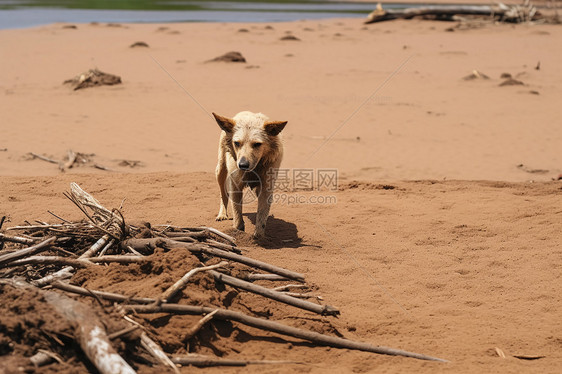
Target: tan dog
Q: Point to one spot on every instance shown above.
(250, 153)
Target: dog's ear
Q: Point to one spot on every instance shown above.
(226, 124)
(273, 128)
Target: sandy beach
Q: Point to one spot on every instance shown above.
(443, 234)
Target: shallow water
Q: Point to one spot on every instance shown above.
(21, 13)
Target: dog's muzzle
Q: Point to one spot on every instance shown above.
(243, 164)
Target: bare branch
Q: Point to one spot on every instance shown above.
(182, 283)
(9, 257)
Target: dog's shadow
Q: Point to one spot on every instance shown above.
(278, 233)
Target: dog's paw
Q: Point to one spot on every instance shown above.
(222, 217)
(240, 227)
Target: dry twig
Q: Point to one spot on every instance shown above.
(9, 257)
(259, 323)
(199, 325)
(275, 295)
(157, 352)
(182, 283)
(206, 361)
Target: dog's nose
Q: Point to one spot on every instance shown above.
(243, 163)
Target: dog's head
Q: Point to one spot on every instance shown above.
(251, 135)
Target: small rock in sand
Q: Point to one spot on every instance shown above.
(290, 37)
(476, 75)
(139, 44)
(243, 30)
(511, 82)
(70, 27)
(229, 57)
(505, 76)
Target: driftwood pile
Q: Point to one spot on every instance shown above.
(499, 12)
(92, 78)
(67, 259)
(74, 159)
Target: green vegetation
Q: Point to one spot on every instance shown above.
(142, 4)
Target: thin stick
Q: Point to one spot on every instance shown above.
(44, 357)
(96, 247)
(154, 349)
(44, 158)
(187, 239)
(219, 245)
(101, 167)
(287, 287)
(71, 159)
(195, 328)
(9, 257)
(205, 361)
(123, 332)
(120, 259)
(268, 277)
(314, 337)
(63, 273)
(33, 227)
(146, 246)
(50, 260)
(16, 239)
(132, 250)
(101, 294)
(221, 234)
(303, 296)
(224, 314)
(108, 245)
(193, 235)
(54, 215)
(279, 296)
(182, 283)
(77, 262)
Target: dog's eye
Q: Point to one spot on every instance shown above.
(256, 145)
(237, 144)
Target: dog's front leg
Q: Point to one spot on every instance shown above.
(264, 204)
(236, 195)
(221, 174)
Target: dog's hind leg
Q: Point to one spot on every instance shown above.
(222, 173)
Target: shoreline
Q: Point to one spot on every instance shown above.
(25, 17)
